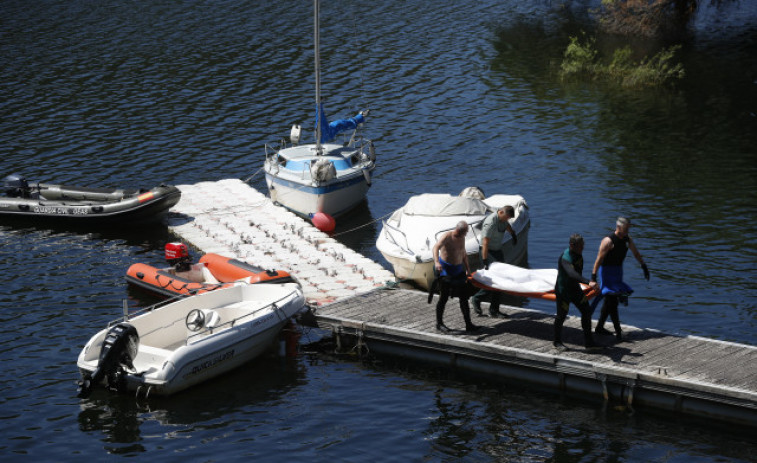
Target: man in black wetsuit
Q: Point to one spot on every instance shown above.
(568, 290)
(609, 268)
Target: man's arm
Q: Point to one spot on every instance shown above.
(572, 274)
(638, 257)
(435, 250)
(484, 248)
(512, 233)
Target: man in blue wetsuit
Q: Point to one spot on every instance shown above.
(568, 290)
(451, 264)
(492, 233)
(609, 268)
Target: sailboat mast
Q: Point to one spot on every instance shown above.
(317, 42)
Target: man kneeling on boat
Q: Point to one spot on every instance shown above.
(177, 255)
(451, 265)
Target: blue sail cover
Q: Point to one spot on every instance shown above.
(330, 130)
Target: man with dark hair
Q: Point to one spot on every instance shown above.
(451, 264)
(609, 268)
(568, 290)
(492, 238)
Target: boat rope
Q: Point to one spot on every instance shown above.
(361, 226)
(234, 210)
(247, 180)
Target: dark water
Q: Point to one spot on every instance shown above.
(462, 93)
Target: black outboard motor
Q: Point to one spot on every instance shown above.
(118, 351)
(16, 186)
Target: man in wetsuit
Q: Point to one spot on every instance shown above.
(493, 232)
(609, 268)
(568, 290)
(451, 264)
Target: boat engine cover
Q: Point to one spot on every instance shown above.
(119, 349)
(15, 185)
(177, 252)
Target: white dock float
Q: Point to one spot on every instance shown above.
(230, 218)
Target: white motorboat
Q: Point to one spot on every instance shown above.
(164, 349)
(409, 234)
(325, 177)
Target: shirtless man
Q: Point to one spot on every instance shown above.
(451, 264)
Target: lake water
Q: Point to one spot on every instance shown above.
(462, 93)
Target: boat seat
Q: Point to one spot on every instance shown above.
(207, 276)
(212, 319)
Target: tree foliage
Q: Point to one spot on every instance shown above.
(647, 18)
(581, 60)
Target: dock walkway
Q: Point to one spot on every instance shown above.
(684, 374)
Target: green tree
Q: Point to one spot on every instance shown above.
(648, 18)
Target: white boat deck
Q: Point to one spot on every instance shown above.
(230, 218)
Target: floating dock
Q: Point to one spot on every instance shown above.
(230, 218)
(356, 299)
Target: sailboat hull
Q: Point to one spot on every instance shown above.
(334, 198)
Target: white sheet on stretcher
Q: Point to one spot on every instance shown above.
(508, 277)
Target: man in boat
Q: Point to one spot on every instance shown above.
(568, 290)
(609, 267)
(451, 264)
(177, 255)
(492, 233)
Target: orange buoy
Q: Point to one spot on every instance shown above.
(323, 222)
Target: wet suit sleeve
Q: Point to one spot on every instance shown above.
(571, 272)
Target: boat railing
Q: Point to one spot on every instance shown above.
(127, 315)
(271, 155)
(470, 227)
(275, 308)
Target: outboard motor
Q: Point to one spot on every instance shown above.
(177, 256)
(118, 351)
(16, 186)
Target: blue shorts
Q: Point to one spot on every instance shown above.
(611, 281)
(451, 270)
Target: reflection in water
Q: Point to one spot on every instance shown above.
(241, 396)
(115, 416)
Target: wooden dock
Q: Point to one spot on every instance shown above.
(349, 293)
(683, 374)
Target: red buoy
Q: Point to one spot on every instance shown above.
(323, 222)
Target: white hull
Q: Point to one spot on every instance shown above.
(408, 236)
(292, 184)
(172, 358)
(336, 199)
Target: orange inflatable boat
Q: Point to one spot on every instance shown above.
(212, 272)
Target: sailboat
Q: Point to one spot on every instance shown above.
(324, 176)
